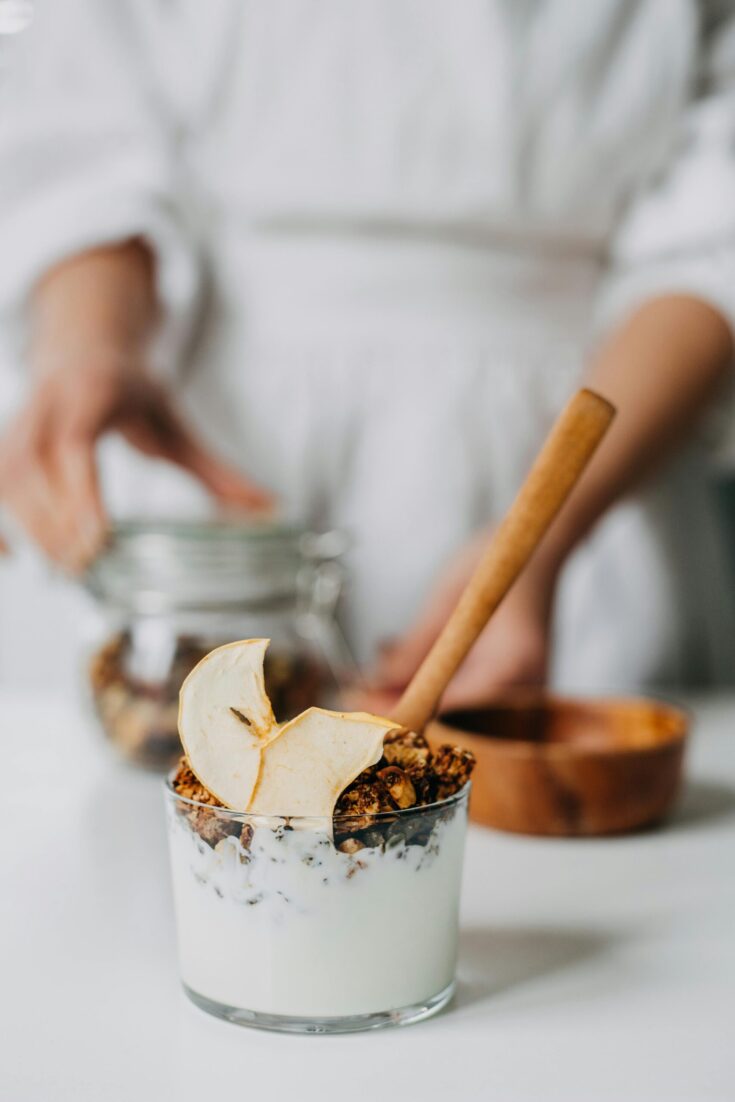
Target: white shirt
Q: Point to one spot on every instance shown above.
(606, 126)
(437, 202)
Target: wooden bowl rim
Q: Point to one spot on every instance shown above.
(513, 747)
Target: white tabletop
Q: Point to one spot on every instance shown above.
(591, 970)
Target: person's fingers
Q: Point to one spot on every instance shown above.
(163, 433)
(85, 514)
(473, 686)
(37, 508)
(24, 484)
(228, 485)
(48, 476)
(473, 689)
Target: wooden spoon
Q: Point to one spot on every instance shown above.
(568, 449)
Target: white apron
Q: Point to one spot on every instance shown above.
(407, 220)
(400, 389)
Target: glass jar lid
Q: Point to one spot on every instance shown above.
(154, 566)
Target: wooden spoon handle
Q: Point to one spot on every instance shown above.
(567, 451)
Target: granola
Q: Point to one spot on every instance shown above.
(189, 786)
(409, 775)
(453, 767)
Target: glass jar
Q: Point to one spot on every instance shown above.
(169, 592)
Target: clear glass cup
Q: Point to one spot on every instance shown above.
(168, 592)
(317, 926)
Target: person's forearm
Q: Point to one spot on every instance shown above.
(102, 300)
(660, 369)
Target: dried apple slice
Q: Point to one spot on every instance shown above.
(225, 720)
(313, 759)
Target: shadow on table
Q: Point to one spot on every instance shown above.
(501, 958)
(700, 803)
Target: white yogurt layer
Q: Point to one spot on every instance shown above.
(294, 927)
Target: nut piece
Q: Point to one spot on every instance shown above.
(453, 767)
(362, 800)
(411, 752)
(351, 845)
(399, 785)
(211, 827)
(407, 749)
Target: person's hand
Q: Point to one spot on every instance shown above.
(512, 651)
(48, 471)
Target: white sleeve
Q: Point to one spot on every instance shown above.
(678, 234)
(87, 153)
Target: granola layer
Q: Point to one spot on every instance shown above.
(408, 775)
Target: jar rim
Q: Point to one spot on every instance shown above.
(200, 528)
(167, 564)
(302, 821)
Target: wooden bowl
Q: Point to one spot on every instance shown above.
(563, 766)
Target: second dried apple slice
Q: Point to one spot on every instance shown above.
(313, 758)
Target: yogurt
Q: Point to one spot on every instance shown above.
(290, 929)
